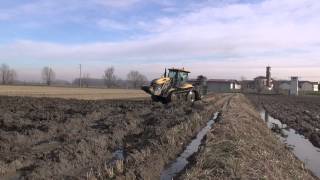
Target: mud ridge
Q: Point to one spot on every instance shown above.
(241, 146)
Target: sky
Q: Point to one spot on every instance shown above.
(217, 38)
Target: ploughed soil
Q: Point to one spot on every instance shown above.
(240, 146)
(48, 138)
(301, 113)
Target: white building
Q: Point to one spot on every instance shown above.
(304, 86)
(223, 85)
(308, 86)
(285, 85)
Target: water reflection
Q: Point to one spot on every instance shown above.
(300, 146)
(266, 116)
(182, 161)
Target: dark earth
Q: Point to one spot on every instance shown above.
(47, 138)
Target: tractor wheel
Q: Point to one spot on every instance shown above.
(155, 98)
(191, 97)
(173, 97)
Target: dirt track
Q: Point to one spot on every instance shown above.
(43, 138)
(299, 113)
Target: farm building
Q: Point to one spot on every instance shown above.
(223, 85)
(260, 83)
(303, 86)
(308, 86)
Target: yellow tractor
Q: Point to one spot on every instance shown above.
(174, 86)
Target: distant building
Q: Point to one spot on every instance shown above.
(259, 84)
(248, 86)
(308, 86)
(263, 83)
(303, 86)
(284, 84)
(221, 85)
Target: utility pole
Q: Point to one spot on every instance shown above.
(80, 78)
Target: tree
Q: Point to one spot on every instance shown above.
(48, 75)
(201, 82)
(109, 77)
(8, 76)
(136, 79)
(12, 76)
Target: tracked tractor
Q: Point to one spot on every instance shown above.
(174, 87)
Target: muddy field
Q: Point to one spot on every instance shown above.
(47, 138)
(43, 138)
(300, 113)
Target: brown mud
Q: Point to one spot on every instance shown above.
(47, 138)
(300, 113)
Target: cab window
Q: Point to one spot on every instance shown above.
(172, 74)
(183, 76)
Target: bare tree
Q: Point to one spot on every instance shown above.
(12, 76)
(201, 83)
(8, 76)
(48, 75)
(109, 77)
(136, 79)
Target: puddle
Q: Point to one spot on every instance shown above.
(116, 155)
(182, 161)
(301, 147)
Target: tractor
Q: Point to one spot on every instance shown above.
(174, 86)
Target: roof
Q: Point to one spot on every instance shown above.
(260, 77)
(283, 81)
(218, 81)
(302, 82)
(177, 69)
(222, 81)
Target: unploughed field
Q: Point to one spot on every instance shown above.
(301, 113)
(72, 93)
(53, 138)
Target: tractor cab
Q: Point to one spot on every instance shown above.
(178, 76)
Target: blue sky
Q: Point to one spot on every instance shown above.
(217, 38)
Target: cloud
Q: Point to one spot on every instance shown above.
(117, 3)
(112, 24)
(225, 40)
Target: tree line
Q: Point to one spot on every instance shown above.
(8, 75)
(134, 79)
